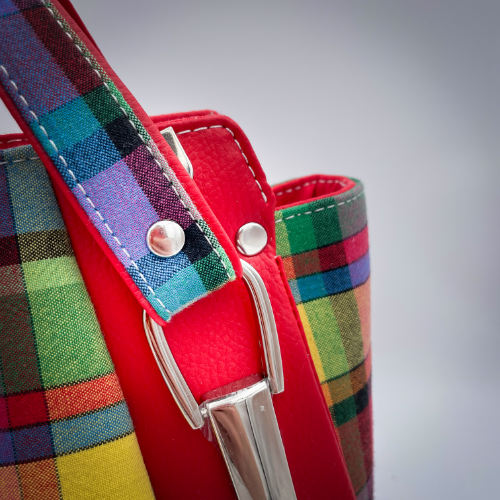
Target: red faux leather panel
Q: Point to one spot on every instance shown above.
(216, 340)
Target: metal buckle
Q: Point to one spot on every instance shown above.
(244, 422)
(173, 141)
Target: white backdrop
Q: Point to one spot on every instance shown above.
(405, 96)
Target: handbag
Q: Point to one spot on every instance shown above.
(171, 326)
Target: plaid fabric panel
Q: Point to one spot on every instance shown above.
(105, 155)
(324, 246)
(65, 430)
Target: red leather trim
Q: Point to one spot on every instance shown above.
(310, 188)
(158, 120)
(12, 140)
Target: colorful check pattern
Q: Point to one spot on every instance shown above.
(324, 246)
(105, 155)
(65, 430)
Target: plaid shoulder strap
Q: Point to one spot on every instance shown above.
(102, 150)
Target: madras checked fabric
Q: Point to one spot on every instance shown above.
(105, 155)
(65, 430)
(324, 246)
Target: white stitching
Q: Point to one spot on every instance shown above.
(8, 141)
(140, 137)
(13, 84)
(19, 161)
(308, 183)
(320, 209)
(309, 212)
(151, 152)
(239, 147)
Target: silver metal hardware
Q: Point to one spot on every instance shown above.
(251, 239)
(246, 429)
(177, 148)
(270, 344)
(165, 238)
(244, 421)
(270, 341)
(171, 373)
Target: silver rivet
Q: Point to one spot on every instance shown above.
(251, 239)
(165, 238)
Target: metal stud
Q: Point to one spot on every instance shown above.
(251, 238)
(165, 238)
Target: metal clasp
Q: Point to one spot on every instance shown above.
(176, 146)
(244, 422)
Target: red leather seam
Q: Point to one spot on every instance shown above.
(245, 157)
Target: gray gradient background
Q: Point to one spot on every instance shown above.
(405, 96)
